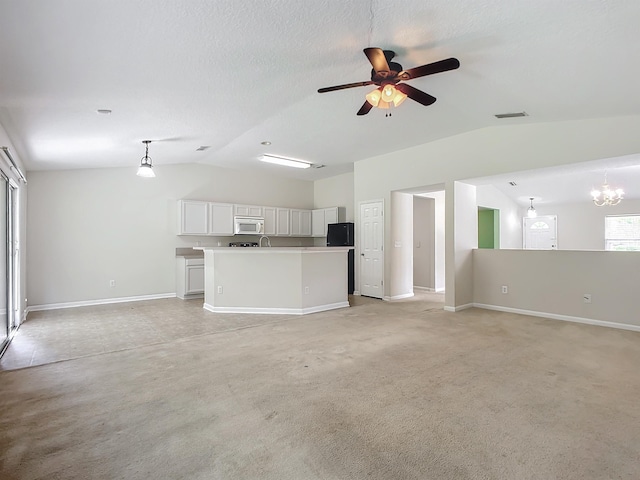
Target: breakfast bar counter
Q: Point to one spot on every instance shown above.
(275, 280)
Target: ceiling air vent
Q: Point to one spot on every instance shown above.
(316, 165)
(202, 148)
(513, 184)
(512, 115)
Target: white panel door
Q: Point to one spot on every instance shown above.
(371, 249)
(540, 233)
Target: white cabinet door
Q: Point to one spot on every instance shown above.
(192, 217)
(194, 279)
(220, 219)
(248, 211)
(330, 216)
(283, 221)
(300, 223)
(318, 225)
(322, 217)
(269, 220)
(305, 222)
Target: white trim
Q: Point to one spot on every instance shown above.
(356, 292)
(189, 296)
(275, 311)
(556, 316)
(104, 301)
(426, 289)
(459, 307)
(398, 297)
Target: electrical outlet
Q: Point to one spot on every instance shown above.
(306, 290)
(219, 288)
(112, 283)
(586, 297)
(505, 289)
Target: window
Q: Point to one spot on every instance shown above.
(622, 232)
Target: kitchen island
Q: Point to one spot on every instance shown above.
(275, 280)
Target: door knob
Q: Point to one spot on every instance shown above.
(362, 254)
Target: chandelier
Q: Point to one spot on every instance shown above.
(606, 196)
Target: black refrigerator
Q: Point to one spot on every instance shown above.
(341, 235)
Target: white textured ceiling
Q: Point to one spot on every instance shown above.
(229, 74)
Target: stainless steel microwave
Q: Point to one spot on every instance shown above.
(248, 225)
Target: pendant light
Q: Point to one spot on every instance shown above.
(146, 169)
(531, 212)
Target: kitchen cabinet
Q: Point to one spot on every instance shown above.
(283, 221)
(248, 210)
(197, 217)
(322, 217)
(300, 223)
(190, 277)
(193, 217)
(269, 220)
(220, 219)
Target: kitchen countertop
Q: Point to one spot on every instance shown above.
(273, 249)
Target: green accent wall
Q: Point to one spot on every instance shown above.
(488, 228)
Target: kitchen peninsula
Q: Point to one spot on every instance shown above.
(277, 280)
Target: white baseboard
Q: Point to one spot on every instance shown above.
(564, 318)
(104, 301)
(356, 292)
(398, 297)
(275, 311)
(458, 308)
(191, 296)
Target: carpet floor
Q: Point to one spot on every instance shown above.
(381, 390)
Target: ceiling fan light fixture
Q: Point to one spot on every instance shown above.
(145, 169)
(286, 162)
(374, 97)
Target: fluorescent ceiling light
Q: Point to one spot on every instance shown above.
(287, 162)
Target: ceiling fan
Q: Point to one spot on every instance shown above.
(388, 75)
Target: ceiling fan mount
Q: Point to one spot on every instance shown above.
(385, 72)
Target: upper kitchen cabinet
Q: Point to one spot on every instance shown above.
(269, 220)
(193, 217)
(204, 218)
(220, 219)
(322, 217)
(248, 211)
(300, 223)
(283, 221)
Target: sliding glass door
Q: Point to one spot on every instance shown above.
(8, 260)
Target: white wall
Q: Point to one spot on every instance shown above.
(86, 227)
(510, 216)
(424, 252)
(401, 246)
(581, 225)
(490, 151)
(335, 192)
(552, 283)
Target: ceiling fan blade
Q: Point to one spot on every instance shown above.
(365, 108)
(415, 94)
(378, 60)
(346, 85)
(430, 69)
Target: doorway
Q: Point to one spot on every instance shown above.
(488, 228)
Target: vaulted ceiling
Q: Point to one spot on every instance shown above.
(229, 75)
